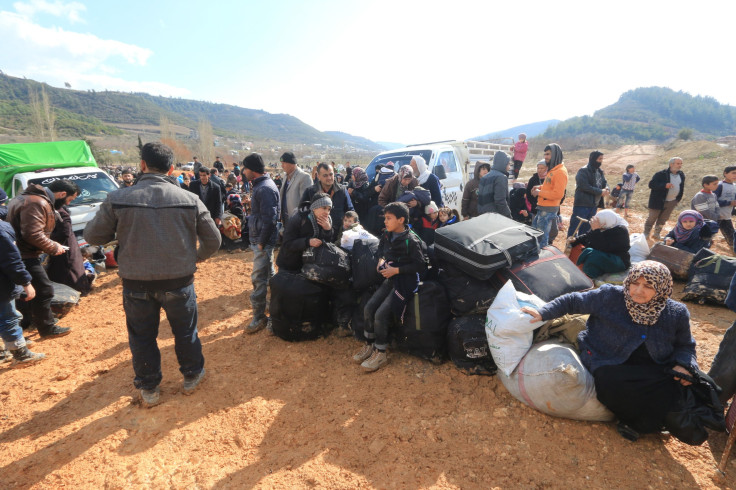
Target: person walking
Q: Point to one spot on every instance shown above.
(667, 187)
(158, 225)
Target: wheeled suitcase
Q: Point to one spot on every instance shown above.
(547, 275)
(677, 261)
(467, 345)
(482, 245)
(424, 330)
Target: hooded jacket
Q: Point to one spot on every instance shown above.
(32, 216)
(587, 191)
(553, 187)
(493, 190)
(469, 206)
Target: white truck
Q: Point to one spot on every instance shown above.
(22, 164)
(453, 162)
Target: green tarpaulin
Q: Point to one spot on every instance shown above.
(29, 157)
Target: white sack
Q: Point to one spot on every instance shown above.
(639, 248)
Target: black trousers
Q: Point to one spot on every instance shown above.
(723, 369)
(37, 312)
(379, 315)
(726, 227)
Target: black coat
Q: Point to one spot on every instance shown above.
(613, 241)
(297, 233)
(659, 191)
(341, 202)
(212, 199)
(364, 198)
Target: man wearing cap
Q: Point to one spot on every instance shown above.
(341, 202)
(264, 204)
(297, 181)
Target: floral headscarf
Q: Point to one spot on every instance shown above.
(660, 278)
(359, 177)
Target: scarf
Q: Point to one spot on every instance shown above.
(359, 177)
(593, 160)
(316, 229)
(609, 219)
(424, 172)
(556, 155)
(683, 235)
(660, 278)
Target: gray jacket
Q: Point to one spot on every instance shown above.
(493, 190)
(295, 187)
(157, 225)
(587, 193)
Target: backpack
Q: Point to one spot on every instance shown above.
(327, 264)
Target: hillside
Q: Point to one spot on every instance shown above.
(650, 114)
(91, 113)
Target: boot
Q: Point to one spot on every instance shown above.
(24, 356)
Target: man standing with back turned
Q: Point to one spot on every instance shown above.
(157, 225)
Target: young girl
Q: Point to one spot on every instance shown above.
(691, 232)
(630, 178)
(430, 221)
(606, 245)
(448, 216)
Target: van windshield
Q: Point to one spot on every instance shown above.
(94, 186)
(398, 158)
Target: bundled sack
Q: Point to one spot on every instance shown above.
(677, 261)
(364, 260)
(552, 379)
(548, 275)
(468, 347)
(65, 298)
(231, 226)
(348, 238)
(327, 264)
(424, 329)
(508, 329)
(467, 294)
(711, 279)
(299, 307)
(616, 278)
(638, 247)
(482, 245)
(565, 329)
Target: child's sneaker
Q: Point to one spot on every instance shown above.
(363, 354)
(375, 361)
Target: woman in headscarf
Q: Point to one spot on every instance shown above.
(690, 233)
(427, 179)
(396, 186)
(363, 195)
(635, 343)
(310, 226)
(469, 205)
(606, 245)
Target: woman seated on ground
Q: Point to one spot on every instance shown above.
(309, 227)
(635, 337)
(606, 245)
(691, 233)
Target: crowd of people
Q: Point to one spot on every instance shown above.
(636, 345)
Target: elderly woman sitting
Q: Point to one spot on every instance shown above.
(635, 337)
(606, 245)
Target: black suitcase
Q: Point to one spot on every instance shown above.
(548, 275)
(327, 264)
(711, 280)
(299, 307)
(364, 259)
(482, 245)
(468, 346)
(467, 294)
(424, 330)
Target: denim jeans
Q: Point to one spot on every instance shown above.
(624, 199)
(584, 212)
(10, 330)
(262, 273)
(543, 221)
(142, 314)
(379, 315)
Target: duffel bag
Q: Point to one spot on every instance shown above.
(552, 379)
(468, 347)
(424, 330)
(467, 294)
(711, 279)
(677, 261)
(299, 307)
(548, 275)
(327, 264)
(364, 260)
(65, 298)
(482, 245)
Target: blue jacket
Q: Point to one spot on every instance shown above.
(13, 273)
(611, 336)
(265, 211)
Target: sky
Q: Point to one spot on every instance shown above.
(388, 70)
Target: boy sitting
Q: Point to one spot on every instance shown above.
(403, 260)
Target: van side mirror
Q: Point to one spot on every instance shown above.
(439, 171)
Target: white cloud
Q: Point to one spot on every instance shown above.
(69, 10)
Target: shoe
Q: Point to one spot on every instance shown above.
(256, 325)
(363, 354)
(151, 398)
(374, 363)
(627, 432)
(191, 383)
(25, 356)
(269, 326)
(56, 331)
(5, 356)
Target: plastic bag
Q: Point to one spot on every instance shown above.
(508, 329)
(358, 233)
(638, 247)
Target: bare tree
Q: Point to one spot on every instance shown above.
(49, 115)
(206, 147)
(167, 130)
(37, 116)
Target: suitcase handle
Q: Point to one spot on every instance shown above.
(503, 250)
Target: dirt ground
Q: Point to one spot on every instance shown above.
(272, 414)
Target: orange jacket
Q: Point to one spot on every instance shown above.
(553, 188)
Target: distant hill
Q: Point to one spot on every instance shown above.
(88, 113)
(651, 113)
(531, 130)
(388, 145)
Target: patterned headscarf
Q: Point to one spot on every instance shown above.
(404, 171)
(683, 235)
(359, 177)
(660, 278)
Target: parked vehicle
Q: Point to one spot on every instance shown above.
(453, 162)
